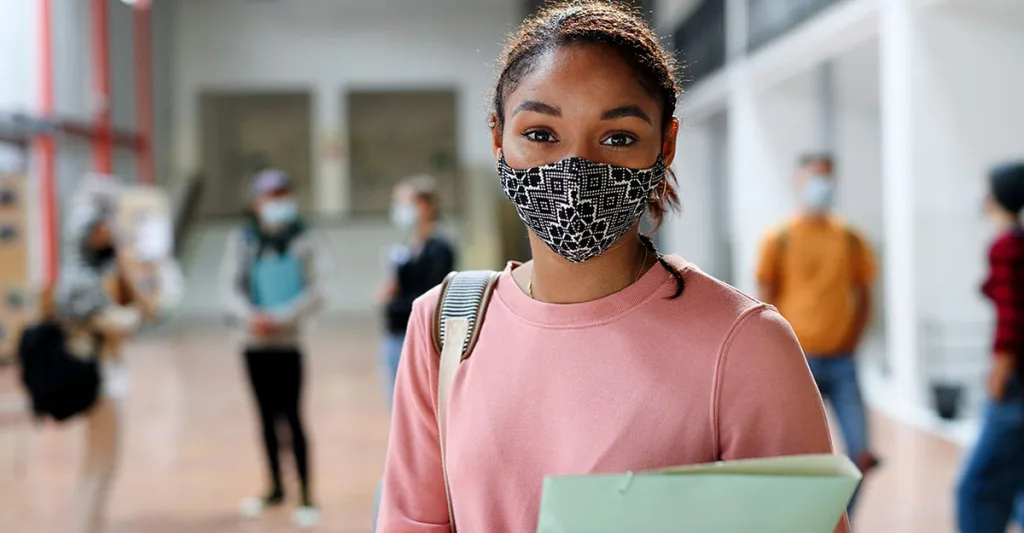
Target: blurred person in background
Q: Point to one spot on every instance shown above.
(993, 478)
(273, 274)
(97, 300)
(600, 354)
(417, 265)
(818, 271)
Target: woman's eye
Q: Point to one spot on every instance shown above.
(539, 136)
(619, 139)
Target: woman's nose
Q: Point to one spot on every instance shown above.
(582, 150)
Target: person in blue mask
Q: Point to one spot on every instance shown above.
(273, 274)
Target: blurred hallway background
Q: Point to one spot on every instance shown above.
(914, 98)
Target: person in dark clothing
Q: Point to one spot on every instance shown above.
(993, 479)
(273, 276)
(416, 266)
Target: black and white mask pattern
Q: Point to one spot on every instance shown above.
(579, 208)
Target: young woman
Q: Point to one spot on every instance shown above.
(416, 266)
(97, 301)
(991, 490)
(600, 355)
(273, 275)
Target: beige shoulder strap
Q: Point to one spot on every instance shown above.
(460, 312)
(456, 334)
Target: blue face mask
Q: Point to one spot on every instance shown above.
(819, 193)
(277, 213)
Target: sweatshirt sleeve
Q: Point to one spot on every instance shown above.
(235, 299)
(766, 401)
(414, 499)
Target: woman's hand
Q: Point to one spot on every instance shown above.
(388, 292)
(999, 376)
(132, 275)
(262, 325)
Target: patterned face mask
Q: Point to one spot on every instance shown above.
(579, 208)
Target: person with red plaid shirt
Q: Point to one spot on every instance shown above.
(993, 480)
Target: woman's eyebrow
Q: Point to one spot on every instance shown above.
(538, 107)
(626, 111)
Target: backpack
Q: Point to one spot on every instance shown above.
(274, 280)
(59, 384)
(460, 312)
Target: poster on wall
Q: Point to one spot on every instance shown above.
(14, 259)
(15, 311)
(145, 231)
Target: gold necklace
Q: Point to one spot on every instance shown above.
(529, 282)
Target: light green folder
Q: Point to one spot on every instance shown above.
(795, 494)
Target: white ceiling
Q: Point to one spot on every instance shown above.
(856, 79)
(997, 7)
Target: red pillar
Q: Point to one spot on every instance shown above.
(143, 68)
(45, 145)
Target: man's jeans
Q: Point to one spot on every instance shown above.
(836, 377)
(993, 478)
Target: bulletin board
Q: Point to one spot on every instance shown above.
(145, 235)
(14, 260)
(143, 221)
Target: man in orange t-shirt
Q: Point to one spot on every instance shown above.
(819, 272)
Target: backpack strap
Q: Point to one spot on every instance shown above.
(460, 313)
(463, 295)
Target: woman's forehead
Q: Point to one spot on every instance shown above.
(581, 76)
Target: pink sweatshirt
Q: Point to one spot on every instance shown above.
(633, 381)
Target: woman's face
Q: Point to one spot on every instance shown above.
(583, 101)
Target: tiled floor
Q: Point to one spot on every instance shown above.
(190, 451)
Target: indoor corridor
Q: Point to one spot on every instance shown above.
(191, 448)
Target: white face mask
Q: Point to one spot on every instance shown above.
(819, 193)
(154, 238)
(276, 213)
(404, 215)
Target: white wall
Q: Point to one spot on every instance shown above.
(968, 117)
(330, 47)
(688, 233)
(238, 45)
